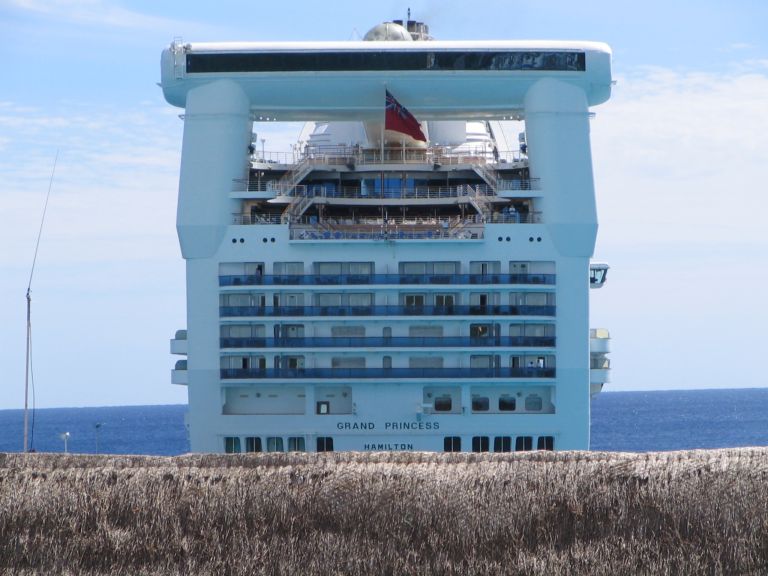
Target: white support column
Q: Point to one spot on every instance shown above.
(557, 124)
(217, 132)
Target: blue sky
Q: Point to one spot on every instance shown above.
(680, 158)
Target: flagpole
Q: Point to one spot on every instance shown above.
(383, 126)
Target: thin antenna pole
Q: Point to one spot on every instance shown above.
(29, 308)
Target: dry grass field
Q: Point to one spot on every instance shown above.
(700, 512)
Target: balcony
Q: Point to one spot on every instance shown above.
(390, 342)
(179, 342)
(386, 310)
(179, 373)
(372, 279)
(599, 341)
(384, 373)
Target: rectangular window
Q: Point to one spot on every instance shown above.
(480, 403)
(324, 444)
(324, 407)
(480, 444)
(361, 268)
(358, 299)
(348, 331)
(507, 403)
(533, 403)
(452, 444)
(274, 444)
(445, 299)
(347, 362)
(232, 444)
(445, 268)
(443, 404)
(545, 443)
(425, 362)
(489, 267)
(286, 268)
(523, 443)
(502, 444)
(330, 299)
(328, 268)
(425, 331)
(414, 300)
(296, 444)
(253, 444)
(413, 268)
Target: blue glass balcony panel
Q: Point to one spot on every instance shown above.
(294, 373)
(391, 342)
(356, 279)
(387, 310)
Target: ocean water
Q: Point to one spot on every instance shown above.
(621, 421)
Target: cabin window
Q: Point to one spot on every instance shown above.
(324, 444)
(452, 444)
(274, 444)
(443, 404)
(445, 299)
(480, 444)
(296, 444)
(414, 300)
(253, 444)
(545, 443)
(507, 403)
(533, 403)
(480, 403)
(523, 443)
(232, 444)
(502, 444)
(323, 407)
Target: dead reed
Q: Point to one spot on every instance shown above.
(700, 512)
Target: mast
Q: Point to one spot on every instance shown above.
(28, 369)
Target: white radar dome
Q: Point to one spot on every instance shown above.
(388, 31)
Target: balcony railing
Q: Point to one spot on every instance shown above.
(342, 373)
(388, 310)
(368, 279)
(387, 342)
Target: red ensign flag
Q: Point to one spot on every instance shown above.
(398, 118)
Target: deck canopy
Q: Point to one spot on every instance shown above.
(300, 81)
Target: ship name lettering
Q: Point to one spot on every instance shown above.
(355, 425)
(388, 446)
(412, 425)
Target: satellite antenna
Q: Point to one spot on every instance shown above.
(28, 375)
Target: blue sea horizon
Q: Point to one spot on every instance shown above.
(642, 421)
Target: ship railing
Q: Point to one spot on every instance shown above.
(388, 310)
(343, 155)
(494, 372)
(518, 184)
(403, 279)
(387, 342)
(396, 193)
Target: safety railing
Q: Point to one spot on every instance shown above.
(402, 279)
(291, 373)
(388, 342)
(387, 310)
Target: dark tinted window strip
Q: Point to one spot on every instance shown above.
(200, 63)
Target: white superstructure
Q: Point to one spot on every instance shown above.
(360, 293)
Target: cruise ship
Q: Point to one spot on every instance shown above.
(414, 273)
